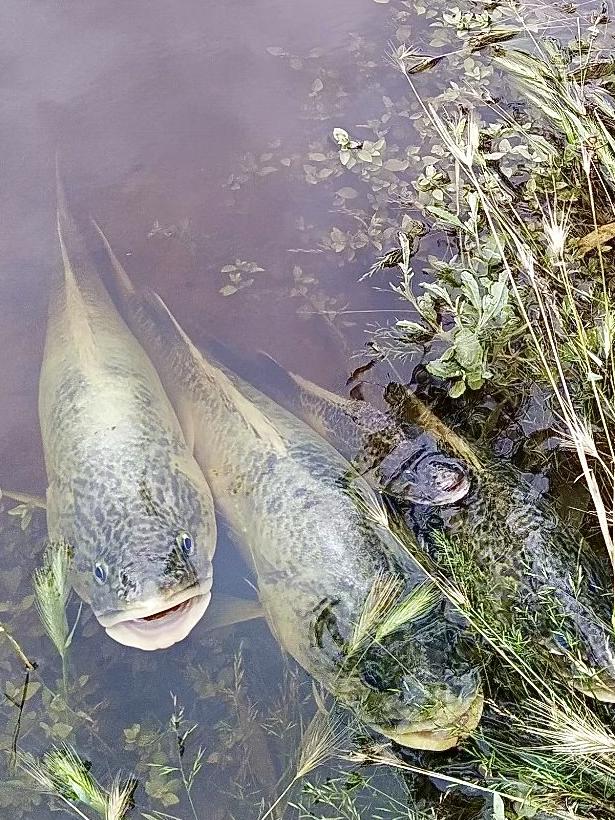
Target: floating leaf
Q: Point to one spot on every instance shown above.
(347, 193)
(396, 164)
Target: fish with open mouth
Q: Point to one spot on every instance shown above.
(406, 463)
(323, 566)
(124, 490)
(542, 577)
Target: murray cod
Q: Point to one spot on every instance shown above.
(505, 540)
(353, 610)
(124, 490)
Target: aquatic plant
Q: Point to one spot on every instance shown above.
(62, 773)
(52, 591)
(182, 733)
(320, 743)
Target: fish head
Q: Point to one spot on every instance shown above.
(146, 568)
(417, 687)
(581, 642)
(419, 472)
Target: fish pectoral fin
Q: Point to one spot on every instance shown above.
(25, 498)
(226, 610)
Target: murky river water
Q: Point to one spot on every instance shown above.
(199, 136)
(185, 130)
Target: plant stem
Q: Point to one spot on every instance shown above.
(30, 666)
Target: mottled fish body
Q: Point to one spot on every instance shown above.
(541, 577)
(300, 512)
(124, 490)
(406, 463)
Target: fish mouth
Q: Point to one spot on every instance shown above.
(455, 491)
(444, 733)
(430, 481)
(159, 623)
(597, 689)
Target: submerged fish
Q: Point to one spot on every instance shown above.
(408, 464)
(324, 570)
(541, 577)
(124, 490)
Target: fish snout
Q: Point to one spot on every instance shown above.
(446, 727)
(466, 686)
(427, 478)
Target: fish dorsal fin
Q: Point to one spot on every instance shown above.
(251, 415)
(75, 306)
(322, 393)
(291, 381)
(122, 279)
(254, 418)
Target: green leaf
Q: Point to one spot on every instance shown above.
(228, 290)
(446, 216)
(468, 350)
(470, 289)
(438, 292)
(445, 369)
(475, 382)
(495, 302)
(457, 389)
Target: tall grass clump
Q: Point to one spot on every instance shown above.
(63, 774)
(523, 298)
(52, 591)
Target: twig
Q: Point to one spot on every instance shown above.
(30, 666)
(20, 706)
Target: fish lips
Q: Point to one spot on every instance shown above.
(456, 724)
(159, 623)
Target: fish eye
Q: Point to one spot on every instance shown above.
(372, 679)
(185, 542)
(562, 644)
(100, 572)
